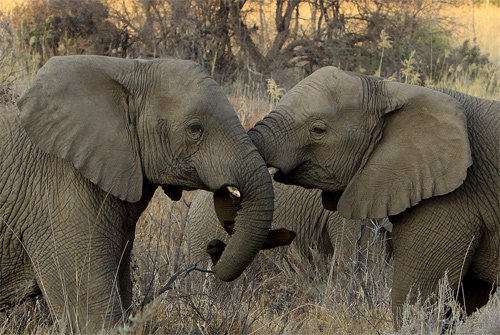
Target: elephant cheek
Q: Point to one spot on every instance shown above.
(330, 200)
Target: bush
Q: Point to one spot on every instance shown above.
(59, 27)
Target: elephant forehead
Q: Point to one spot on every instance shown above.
(183, 79)
(191, 100)
(326, 91)
(306, 99)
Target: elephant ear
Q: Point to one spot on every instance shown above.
(423, 152)
(77, 110)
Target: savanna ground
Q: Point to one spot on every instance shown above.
(277, 294)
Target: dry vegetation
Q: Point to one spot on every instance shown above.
(277, 295)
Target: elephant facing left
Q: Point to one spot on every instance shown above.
(93, 138)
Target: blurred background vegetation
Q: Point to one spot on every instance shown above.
(415, 41)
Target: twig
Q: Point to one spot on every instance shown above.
(171, 280)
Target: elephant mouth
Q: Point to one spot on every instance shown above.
(227, 203)
(330, 200)
(280, 177)
(306, 176)
(294, 177)
(174, 192)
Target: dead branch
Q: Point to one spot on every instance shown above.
(169, 284)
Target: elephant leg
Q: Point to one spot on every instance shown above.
(18, 280)
(474, 293)
(430, 240)
(343, 236)
(85, 291)
(85, 275)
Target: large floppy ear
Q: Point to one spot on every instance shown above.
(423, 152)
(78, 110)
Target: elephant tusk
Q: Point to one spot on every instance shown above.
(234, 192)
(272, 170)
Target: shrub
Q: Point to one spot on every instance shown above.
(58, 27)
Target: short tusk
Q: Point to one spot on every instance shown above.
(234, 192)
(272, 170)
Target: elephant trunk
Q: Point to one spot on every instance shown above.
(259, 133)
(253, 218)
(266, 136)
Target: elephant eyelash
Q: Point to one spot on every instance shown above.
(195, 129)
(317, 130)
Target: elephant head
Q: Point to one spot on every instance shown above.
(374, 147)
(125, 124)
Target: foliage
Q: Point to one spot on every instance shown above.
(192, 29)
(7, 52)
(255, 39)
(287, 40)
(58, 27)
(275, 92)
(464, 57)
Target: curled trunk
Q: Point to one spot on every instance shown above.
(253, 218)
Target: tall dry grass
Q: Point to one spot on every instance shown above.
(276, 295)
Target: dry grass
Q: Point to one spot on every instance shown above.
(276, 295)
(249, 100)
(486, 85)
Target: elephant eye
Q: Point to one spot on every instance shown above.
(318, 130)
(195, 129)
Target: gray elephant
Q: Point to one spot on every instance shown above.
(296, 209)
(428, 160)
(80, 162)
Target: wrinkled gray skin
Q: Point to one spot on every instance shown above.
(94, 138)
(428, 160)
(296, 209)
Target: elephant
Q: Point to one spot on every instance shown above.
(91, 140)
(298, 210)
(429, 159)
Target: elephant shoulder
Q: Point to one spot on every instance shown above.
(16, 149)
